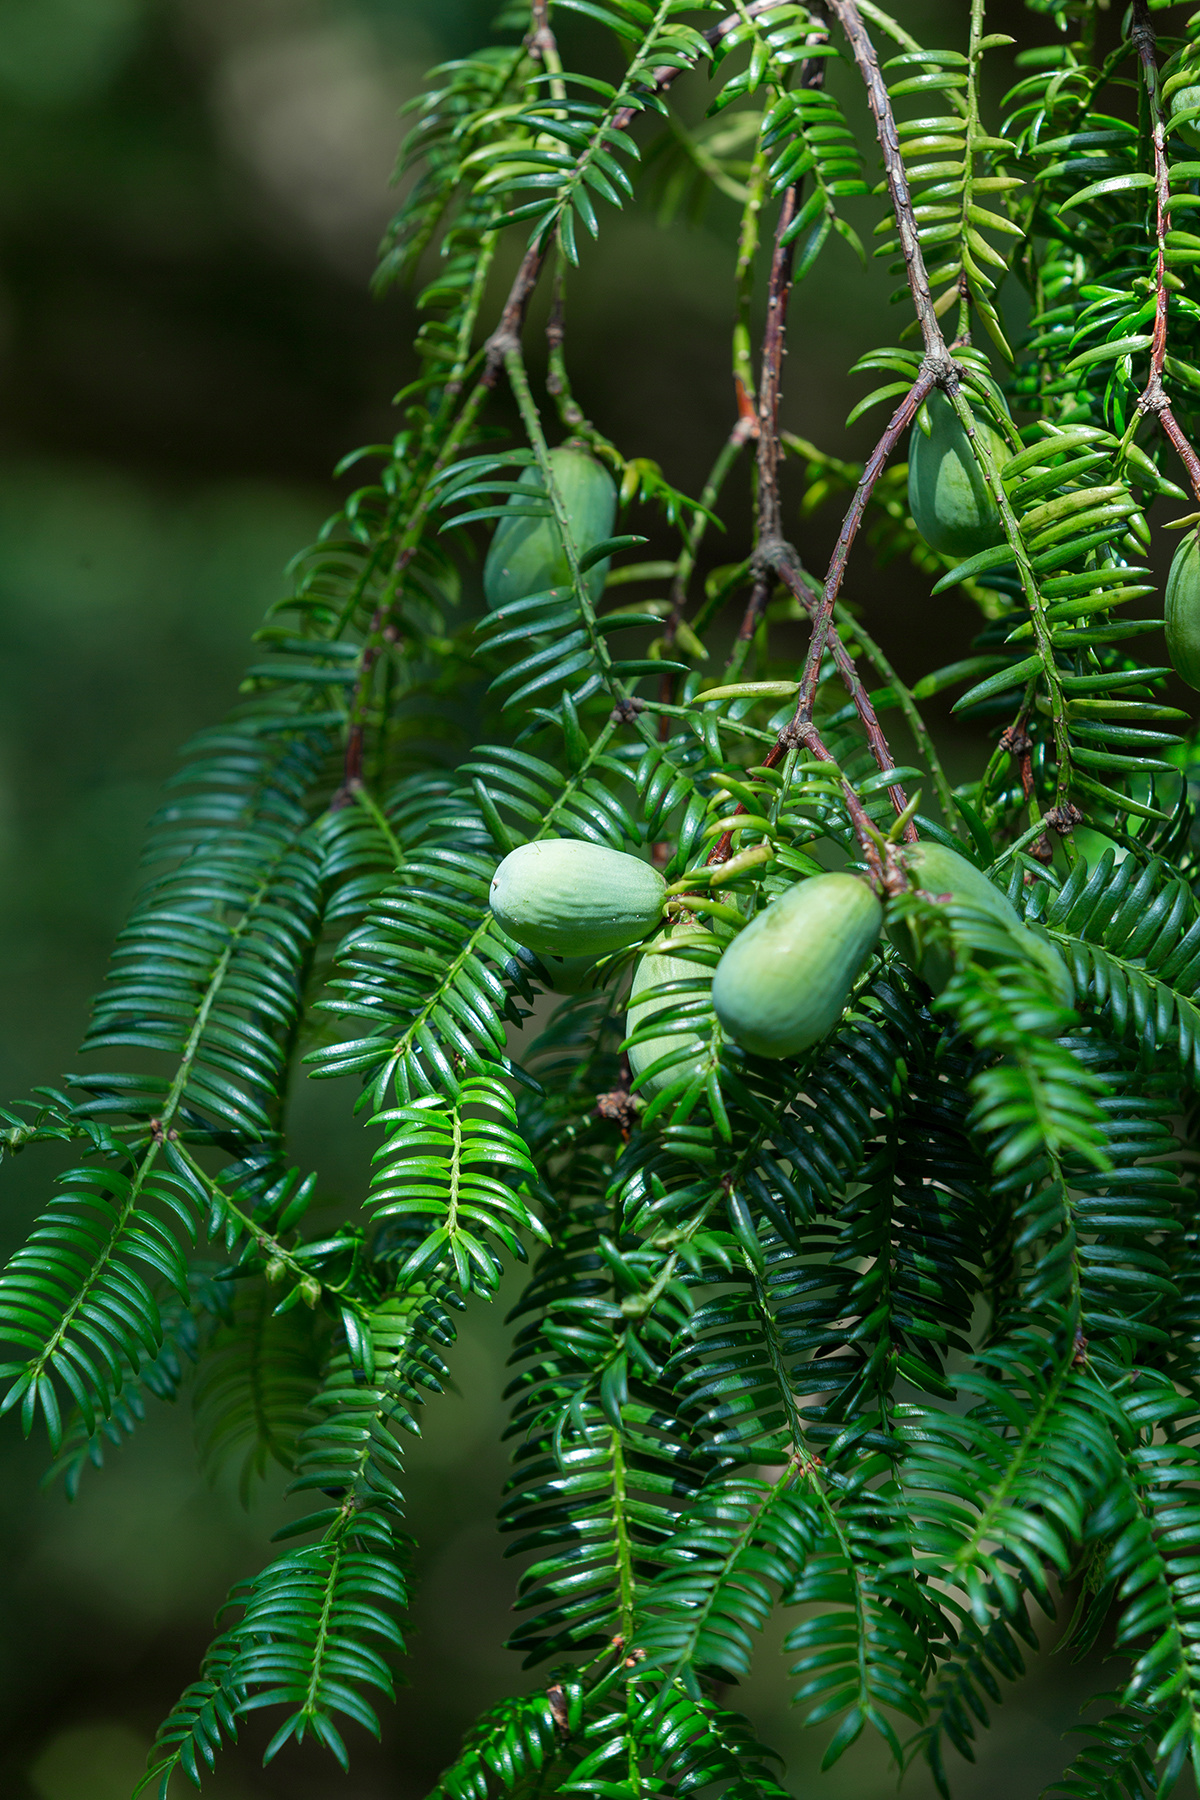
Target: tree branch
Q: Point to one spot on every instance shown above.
(792, 575)
(1153, 399)
(779, 288)
(897, 425)
(879, 100)
(507, 335)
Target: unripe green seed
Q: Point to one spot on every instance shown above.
(1183, 611)
(1183, 100)
(947, 493)
(566, 897)
(526, 555)
(785, 980)
(568, 974)
(937, 869)
(653, 969)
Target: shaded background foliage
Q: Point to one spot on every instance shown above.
(191, 192)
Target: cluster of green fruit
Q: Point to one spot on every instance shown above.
(780, 984)
(783, 981)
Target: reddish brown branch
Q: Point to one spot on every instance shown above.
(507, 335)
(760, 593)
(879, 100)
(787, 564)
(1153, 399)
(779, 288)
(556, 332)
(773, 554)
(897, 425)
(557, 384)
(791, 573)
(1174, 431)
(814, 743)
(774, 344)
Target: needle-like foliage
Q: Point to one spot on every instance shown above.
(895, 1335)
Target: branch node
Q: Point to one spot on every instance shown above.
(1064, 818)
(1015, 740)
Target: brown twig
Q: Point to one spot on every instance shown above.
(774, 555)
(1153, 399)
(774, 343)
(937, 369)
(793, 575)
(507, 335)
(779, 288)
(897, 425)
(814, 743)
(760, 593)
(879, 100)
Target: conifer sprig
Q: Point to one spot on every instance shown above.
(896, 1334)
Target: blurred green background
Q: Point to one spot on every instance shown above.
(191, 192)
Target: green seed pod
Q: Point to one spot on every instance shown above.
(940, 870)
(527, 556)
(1183, 611)
(568, 974)
(653, 969)
(947, 494)
(1183, 100)
(785, 980)
(565, 897)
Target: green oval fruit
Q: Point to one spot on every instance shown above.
(1183, 611)
(1183, 100)
(653, 969)
(784, 981)
(566, 897)
(526, 555)
(939, 870)
(947, 494)
(568, 974)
